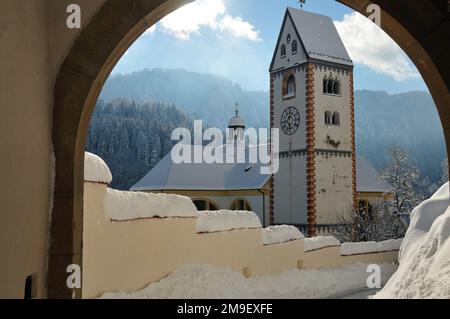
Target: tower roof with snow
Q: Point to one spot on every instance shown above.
(318, 36)
(236, 121)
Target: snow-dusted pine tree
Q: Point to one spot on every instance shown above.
(403, 176)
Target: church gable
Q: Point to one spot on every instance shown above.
(289, 50)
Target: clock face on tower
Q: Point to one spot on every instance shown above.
(290, 120)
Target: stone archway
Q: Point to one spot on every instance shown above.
(421, 28)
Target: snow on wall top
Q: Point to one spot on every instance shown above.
(95, 169)
(424, 270)
(224, 220)
(120, 206)
(314, 243)
(370, 247)
(280, 234)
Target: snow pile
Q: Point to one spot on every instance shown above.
(207, 282)
(121, 205)
(370, 247)
(314, 243)
(95, 169)
(280, 234)
(224, 220)
(424, 257)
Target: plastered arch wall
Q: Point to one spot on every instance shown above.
(421, 28)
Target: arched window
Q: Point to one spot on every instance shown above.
(283, 51)
(288, 38)
(325, 85)
(330, 86)
(240, 204)
(336, 120)
(294, 47)
(204, 204)
(336, 87)
(291, 85)
(328, 118)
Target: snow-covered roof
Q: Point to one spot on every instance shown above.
(367, 178)
(167, 175)
(319, 37)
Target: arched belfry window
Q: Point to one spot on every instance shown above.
(325, 85)
(283, 51)
(328, 118)
(291, 85)
(336, 120)
(336, 87)
(330, 86)
(294, 47)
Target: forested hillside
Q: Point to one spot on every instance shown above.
(132, 137)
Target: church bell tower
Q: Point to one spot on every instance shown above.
(311, 103)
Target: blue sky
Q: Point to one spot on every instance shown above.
(236, 39)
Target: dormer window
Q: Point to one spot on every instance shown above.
(288, 39)
(294, 47)
(283, 51)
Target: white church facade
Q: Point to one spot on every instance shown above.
(312, 105)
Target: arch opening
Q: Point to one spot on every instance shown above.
(81, 78)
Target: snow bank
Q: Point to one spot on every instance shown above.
(424, 256)
(314, 243)
(207, 282)
(95, 169)
(280, 234)
(121, 205)
(370, 247)
(224, 220)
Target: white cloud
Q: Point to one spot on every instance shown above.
(190, 18)
(367, 44)
(239, 28)
(150, 30)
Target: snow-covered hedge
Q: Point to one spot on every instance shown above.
(224, 220)
(370, 247)
(280, 234)
(95, 169)
(424, 257)
(314, 243)
(121, 205)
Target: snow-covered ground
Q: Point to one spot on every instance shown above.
(204, 281)
(424, 256)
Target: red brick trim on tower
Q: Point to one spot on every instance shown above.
(272, 125)
(310, 151)
(352, 123)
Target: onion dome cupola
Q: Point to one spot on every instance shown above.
(236, 126)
